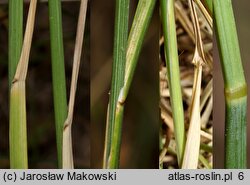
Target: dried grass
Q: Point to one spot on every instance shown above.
(186, 48)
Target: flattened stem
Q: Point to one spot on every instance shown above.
(170, 43)
(18, 128)
(15, 35)
(58, 73)
(235, 85)
(137, 34)
(235, 134)
(114, 158)
(118, 73)
(68, 162)
(139, 28)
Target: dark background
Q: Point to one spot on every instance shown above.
(40, 114)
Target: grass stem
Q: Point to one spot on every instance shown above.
(58, 72)
(113, 133)
(234, 84)
(140, 25)
(172, 62)
(137, 33)
(18, 128)
(15, 35)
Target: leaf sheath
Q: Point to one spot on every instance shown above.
(118, 72)
(18, 128)
(234, 84)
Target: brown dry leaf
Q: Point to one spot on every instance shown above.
(186, 48)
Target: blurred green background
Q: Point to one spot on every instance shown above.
(40, 114)
(242, 14)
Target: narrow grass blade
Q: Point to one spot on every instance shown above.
(18, 128)
(15, 35)
(58, 72)
(67, 138)
(209, 5)
(137, 33)
(205, 13)
(184, 20)
(234, 83)
(204, 162)
(172, 61)
(118, 72)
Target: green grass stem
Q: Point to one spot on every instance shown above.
(140, 25)
(112, 141)
(137, 34)
(18, 128)
(172, 62)
(15, 35)
(58, 72)
(234, 84)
